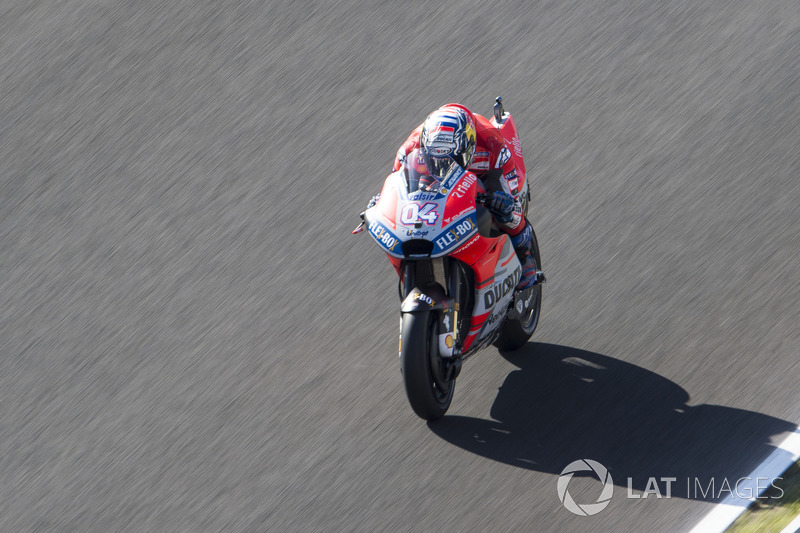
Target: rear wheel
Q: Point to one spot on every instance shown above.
(517, 331)
(424, 370)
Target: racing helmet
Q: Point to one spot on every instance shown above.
(447, 136)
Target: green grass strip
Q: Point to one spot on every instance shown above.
(776, 507)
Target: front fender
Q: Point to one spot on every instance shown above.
(432, 298)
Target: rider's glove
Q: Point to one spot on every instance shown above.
(501, 204)
(373, 201)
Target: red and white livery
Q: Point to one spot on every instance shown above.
(458, 273)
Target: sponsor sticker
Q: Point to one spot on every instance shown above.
(464, 185)
(461, 230)
(383, 236)
(422, 196)
(517, 146)
(454, 217)
(503, 157)
(480, 161)
(423, 298)
(513, 182)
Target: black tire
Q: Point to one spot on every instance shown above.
(428, 391)
(516, 332)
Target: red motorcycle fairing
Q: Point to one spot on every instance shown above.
(514, 181)
(497, 274)
(508, 130)
(443, 214)
(442, 221)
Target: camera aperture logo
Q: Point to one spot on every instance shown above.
(585, 509)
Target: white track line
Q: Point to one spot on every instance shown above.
(725, 512)
(793, 526)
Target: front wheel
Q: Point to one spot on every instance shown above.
(425, 372)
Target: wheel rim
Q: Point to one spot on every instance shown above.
(531, 300)
(529, 316)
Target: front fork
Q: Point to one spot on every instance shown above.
(422, 291)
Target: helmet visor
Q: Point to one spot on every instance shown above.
(438, 165)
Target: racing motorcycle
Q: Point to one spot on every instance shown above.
(458, 274)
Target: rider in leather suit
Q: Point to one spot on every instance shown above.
(453, 132)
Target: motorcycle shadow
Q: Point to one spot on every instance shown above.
(565, 404)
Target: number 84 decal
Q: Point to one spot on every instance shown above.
(413, 212)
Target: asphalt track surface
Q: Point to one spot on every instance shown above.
(191, 339)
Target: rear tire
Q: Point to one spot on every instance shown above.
(424, 370)
(516, 332)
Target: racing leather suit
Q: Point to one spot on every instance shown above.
(496, 171)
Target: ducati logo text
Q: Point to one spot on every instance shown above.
(501, 289)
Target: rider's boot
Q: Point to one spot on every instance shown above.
(531, 274)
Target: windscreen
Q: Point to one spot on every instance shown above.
(416, 173)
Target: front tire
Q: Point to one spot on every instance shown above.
(424, 370)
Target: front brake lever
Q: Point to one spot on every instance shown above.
(360, 227)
